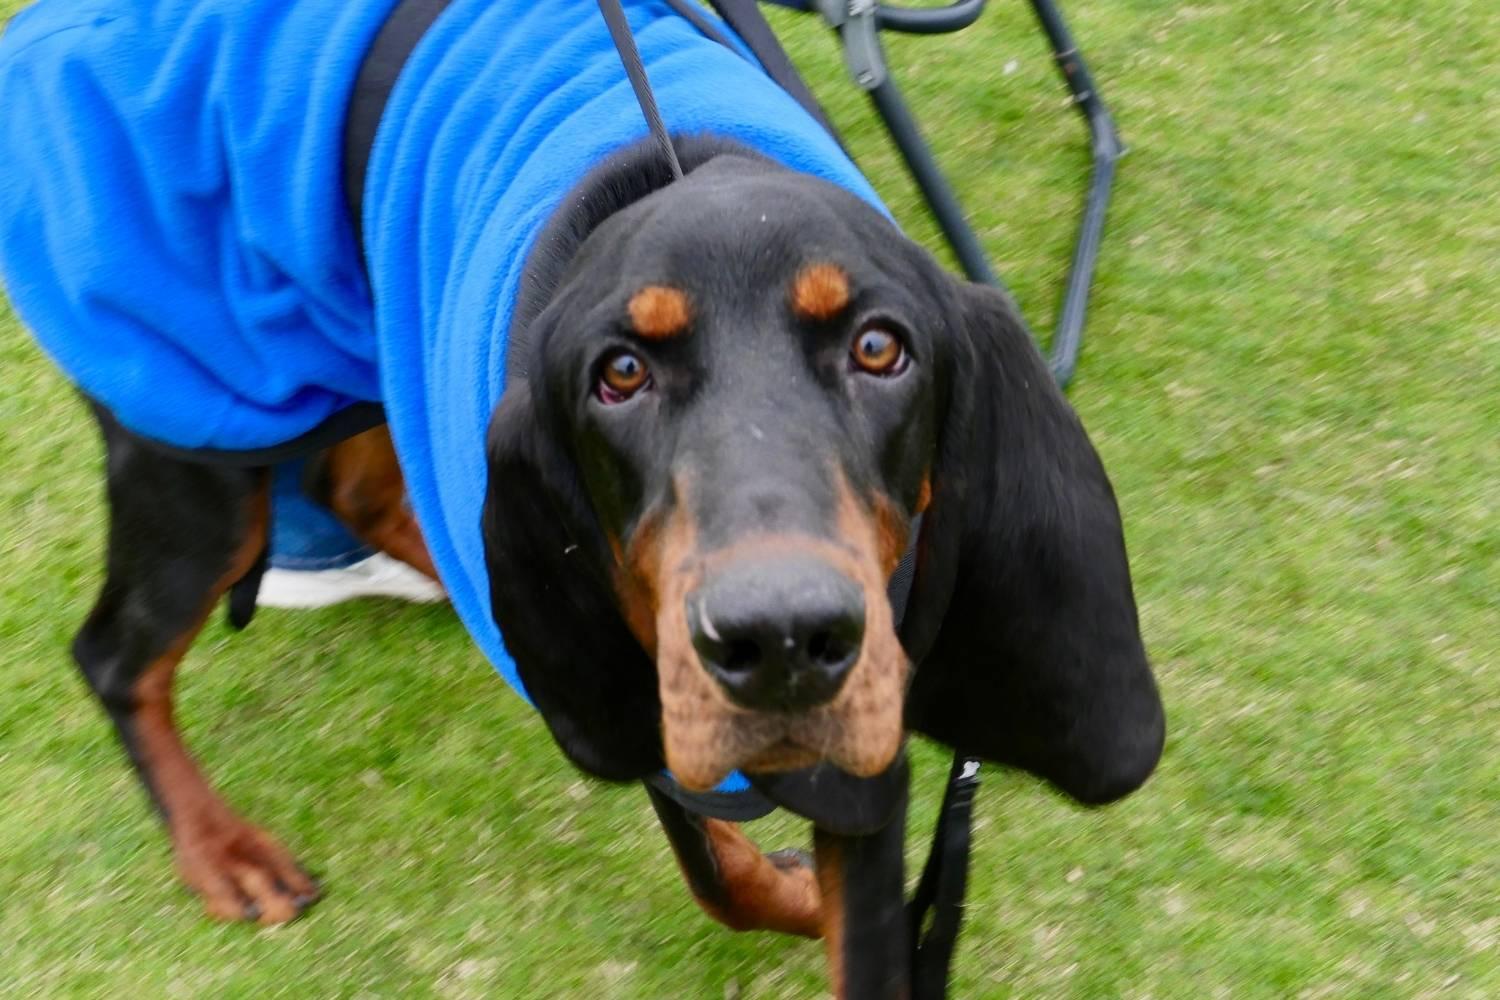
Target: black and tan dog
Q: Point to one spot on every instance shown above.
(690, 550)
(719, 435)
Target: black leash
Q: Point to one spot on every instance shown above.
(745, 18)
(619, 30)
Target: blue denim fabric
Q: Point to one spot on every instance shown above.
(304, 535)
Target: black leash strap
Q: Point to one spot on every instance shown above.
(397, 37)
(619, 30)
(945, 879)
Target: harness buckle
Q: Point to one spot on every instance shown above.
(860, 33)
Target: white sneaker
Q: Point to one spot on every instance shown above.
(377, 576)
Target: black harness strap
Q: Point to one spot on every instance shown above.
(356, 418)
(393, 45)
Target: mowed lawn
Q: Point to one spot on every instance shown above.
(1293, 373)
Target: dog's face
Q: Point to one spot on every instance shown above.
(744, 368)
(741, 393)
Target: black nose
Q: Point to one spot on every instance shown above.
(779, 634)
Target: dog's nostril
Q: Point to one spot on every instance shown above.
(741, 655)
(827, 650)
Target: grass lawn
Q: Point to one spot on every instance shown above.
(1293, 373)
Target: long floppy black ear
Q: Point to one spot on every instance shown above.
(1022, 615)
(593, 683)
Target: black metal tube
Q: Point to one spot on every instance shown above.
(1067, 336)
(924, 170)
(1106, 147)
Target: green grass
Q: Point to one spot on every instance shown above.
(1293, 373)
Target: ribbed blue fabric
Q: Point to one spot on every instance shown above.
(171, 219)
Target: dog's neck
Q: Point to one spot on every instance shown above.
(614, 185)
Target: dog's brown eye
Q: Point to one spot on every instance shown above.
(623, 376)
(878, 352)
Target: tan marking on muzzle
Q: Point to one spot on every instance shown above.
(635, 577)
(658, 312)
(891, 532)
(820, 292)
(704, 733)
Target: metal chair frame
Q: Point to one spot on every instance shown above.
(859, 23)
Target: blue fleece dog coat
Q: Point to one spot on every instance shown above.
(172, 223)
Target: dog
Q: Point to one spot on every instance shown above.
(664, 442)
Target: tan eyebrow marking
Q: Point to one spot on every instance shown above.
(660, 311)
(820, 291)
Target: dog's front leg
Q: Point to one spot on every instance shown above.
(864, 912)
(733, 881)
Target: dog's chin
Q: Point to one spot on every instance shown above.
(862, 744)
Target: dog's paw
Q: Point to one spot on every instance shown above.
(242, 872)
(796, 897)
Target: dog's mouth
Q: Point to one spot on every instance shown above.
(860, 743)
(785, 754)
(720, 715)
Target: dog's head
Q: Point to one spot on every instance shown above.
(741, 393)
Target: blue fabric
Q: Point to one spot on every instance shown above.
(171, 223)
(305, 535)
(171, 219)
